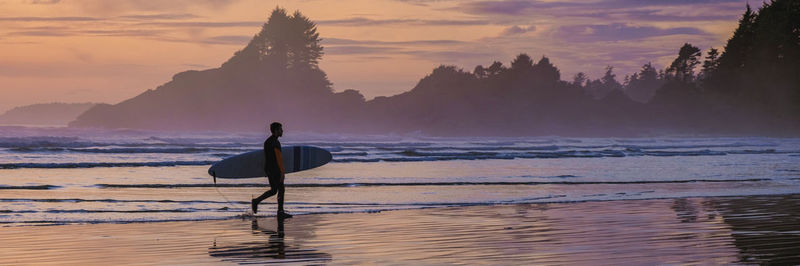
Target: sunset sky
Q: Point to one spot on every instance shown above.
(111, 50)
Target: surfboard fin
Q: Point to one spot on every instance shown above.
(215, 177)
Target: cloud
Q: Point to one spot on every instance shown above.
(517, 30)
(202, 24)
(360, 21)
(359, 50)
(699, 10)
(197, 66)
(618, 32)
(229, 39)
(162, 16)
(512, 7)
(54, 19)
(44, 2)
(125, 6)
(654, 15)
(338, 41)
(422, 2)
(40, 33)
(454, 56)
(58, 32)
(73, 69)
(671, 2)
(423, 49)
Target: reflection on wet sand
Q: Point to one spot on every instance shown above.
(274, 250)
(766, 230)
(732, 230)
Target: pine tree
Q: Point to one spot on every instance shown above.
(682, 68)
(287, 41)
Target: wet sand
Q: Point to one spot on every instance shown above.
(730, 230)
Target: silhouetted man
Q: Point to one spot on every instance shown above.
(273, 166)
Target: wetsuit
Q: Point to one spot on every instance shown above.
(273, 167)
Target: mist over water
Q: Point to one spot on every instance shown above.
(57, 175)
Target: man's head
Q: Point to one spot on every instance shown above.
(276, 129)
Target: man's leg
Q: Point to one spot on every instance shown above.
(280, 198)
(254, 203)
(272, 191)
(281, 213)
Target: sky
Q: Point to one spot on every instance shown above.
(111, 50)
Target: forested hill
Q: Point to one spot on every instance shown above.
(749, 87)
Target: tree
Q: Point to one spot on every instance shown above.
(545, 71)
(522, 63)
(682, 68)
(304, 47)
(609, 79)
(286, 41)
(579, 79)
(605, 85)
(642, 85)
(495, 68)
(732, 61)
(480, 72)
(711, 63)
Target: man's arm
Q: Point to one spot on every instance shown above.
(279, 158)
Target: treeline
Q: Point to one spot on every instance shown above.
(752, 87)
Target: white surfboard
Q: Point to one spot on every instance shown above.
(251, 164)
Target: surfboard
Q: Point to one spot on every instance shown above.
(251, 164)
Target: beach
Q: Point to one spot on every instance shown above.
(709, 230)
(89, 197)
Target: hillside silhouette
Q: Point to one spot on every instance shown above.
(51, 114)
(274, 78)
(751, 87)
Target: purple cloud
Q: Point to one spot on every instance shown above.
(517, 30)
(360, 21)
(618, 32)
(359, 50)
(514, 7)
(44, 2)
(630, 9)
(338, 41)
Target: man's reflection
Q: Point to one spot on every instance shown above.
(275, 248)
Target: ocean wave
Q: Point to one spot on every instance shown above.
(119, 150)
(505, 148)
(133, 211)
(684, 153)
(414, 153)
(416, 156)
(694, 146)
(349, 153)
(42, 142)
(34, 187)
(203, 185)
(383, 184)
(79, 200)
(148, 150)
(102, 164)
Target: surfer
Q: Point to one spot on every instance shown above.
(273, 166)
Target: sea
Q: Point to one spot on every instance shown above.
(59, 175)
